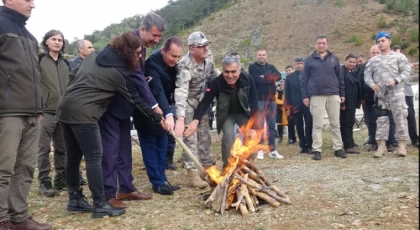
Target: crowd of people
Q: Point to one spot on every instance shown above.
(84, 107)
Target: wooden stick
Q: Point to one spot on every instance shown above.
(189, 153)
(273, 202)
(245, 192)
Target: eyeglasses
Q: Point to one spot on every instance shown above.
(231, 57)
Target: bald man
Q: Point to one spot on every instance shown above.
(368, 103)
(84, 47)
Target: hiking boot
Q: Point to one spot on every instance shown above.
(402, 148)
(102, 208)
(275, 154)
(30, 224)
(194, 179)
(260, 155)
(316, 156)
(78, 202)
(340, 153)
(46, 189)
(381, 149)
(59, 182)
(5, 225)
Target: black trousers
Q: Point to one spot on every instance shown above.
(412, 126)
(303, 121)
(291, 128)
(370, 121)
(347, 120)
(84, 140)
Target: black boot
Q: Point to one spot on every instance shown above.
(280, 133)
(59, 182)
(170, 160)
(103, 208)
(77, 202)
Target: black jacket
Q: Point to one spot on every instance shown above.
(20, 79)
(162, 86)
(352, 85)
(366, 93)
(266, 87)
(322, 76)
(293, 96)
(92, 85)
(220, 90)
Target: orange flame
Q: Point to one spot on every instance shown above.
(252, 132)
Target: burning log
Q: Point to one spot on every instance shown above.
(241, 186)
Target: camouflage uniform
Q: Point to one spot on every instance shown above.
(379, 70)
(190, 88)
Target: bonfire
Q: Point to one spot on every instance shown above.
(241, 185)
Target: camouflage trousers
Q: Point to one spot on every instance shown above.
(394, 101)
(199, 142)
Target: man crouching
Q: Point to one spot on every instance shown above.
(236, 100)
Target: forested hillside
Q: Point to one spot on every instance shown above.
(179, 15)
(286, 28)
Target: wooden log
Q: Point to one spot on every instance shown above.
(268, 191)
(242, 208)
(245, 193)
(270, 200)
(218, 198)
(252, 174)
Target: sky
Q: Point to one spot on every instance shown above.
(76, 18)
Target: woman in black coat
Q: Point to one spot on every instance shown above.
(348, 108)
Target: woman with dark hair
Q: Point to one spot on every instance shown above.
(54, 71)
(92, 85)
(353, 101)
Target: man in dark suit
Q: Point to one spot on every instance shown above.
(154, 140)
(299, 112)
(115, 126)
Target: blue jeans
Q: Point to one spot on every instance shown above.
(270, 117)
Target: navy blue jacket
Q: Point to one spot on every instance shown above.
(162, 86)
(322, 76)
(121, 108)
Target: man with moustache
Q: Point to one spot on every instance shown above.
(193, 71)
(20, 114)
(115, 126)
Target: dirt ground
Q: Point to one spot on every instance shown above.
(359, 192)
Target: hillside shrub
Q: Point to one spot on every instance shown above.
(414, 35)
(382, 22)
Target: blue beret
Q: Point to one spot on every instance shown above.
(383, 34)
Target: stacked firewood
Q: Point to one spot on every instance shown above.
(243, 186)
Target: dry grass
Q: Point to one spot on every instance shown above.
(358, 192)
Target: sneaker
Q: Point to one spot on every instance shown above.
(260, 155)
(316, 156)
(275, 154)
(46, 189)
